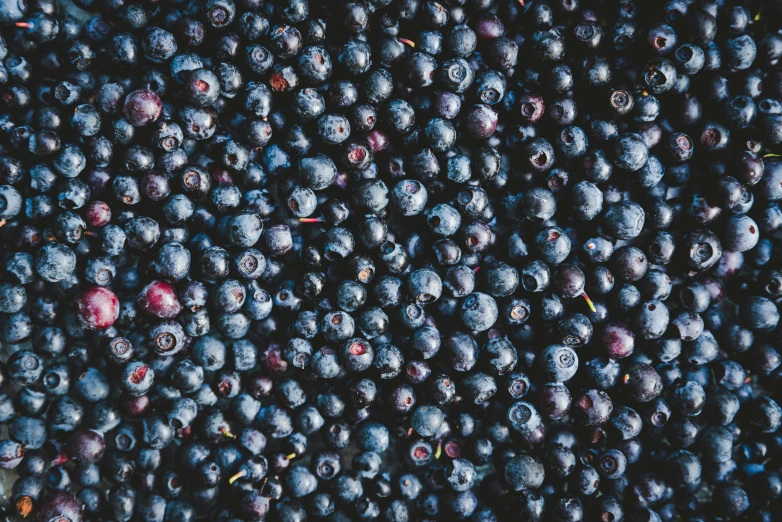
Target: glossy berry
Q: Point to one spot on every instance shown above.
(97, 308)
(142, 107)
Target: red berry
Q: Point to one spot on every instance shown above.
(97, 308)
(98, 214)
(273, 360)
(160, 299)
(617, 340)
(378, 141)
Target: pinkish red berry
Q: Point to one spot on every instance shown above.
(617, 340)
(97, 308)
(160, 299)
(378, 141)
(98, 214)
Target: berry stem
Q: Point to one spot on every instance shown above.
(589, 301)
(237, 476)
(408, 42)
(311, 220)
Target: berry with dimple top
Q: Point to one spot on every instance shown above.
(11, 454)
(97, 308)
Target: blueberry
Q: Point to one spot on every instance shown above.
(426, 420)
(559, 363)
(524, 472)
(523, 417)
(479, 311)
(409, 197)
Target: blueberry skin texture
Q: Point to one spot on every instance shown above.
(30, 432)
(523, 417)
(61, 504)
(425, 286)
(630, 152)
(479, 311)
(54, 262)
(11, 454)
(10, 202)
(739, 53)
(587, 200)
(625, 220)
(524, 472)
(318, 172)
(559, 363)
(444, 219)
(741, 234)
(373, 436)
(333, 129)
(243, 229)
(356, 355)
(301, 482)
(759, 314)
(409, 197)
(426, 420)
(25, 368)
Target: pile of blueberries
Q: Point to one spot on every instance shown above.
(394, 260)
